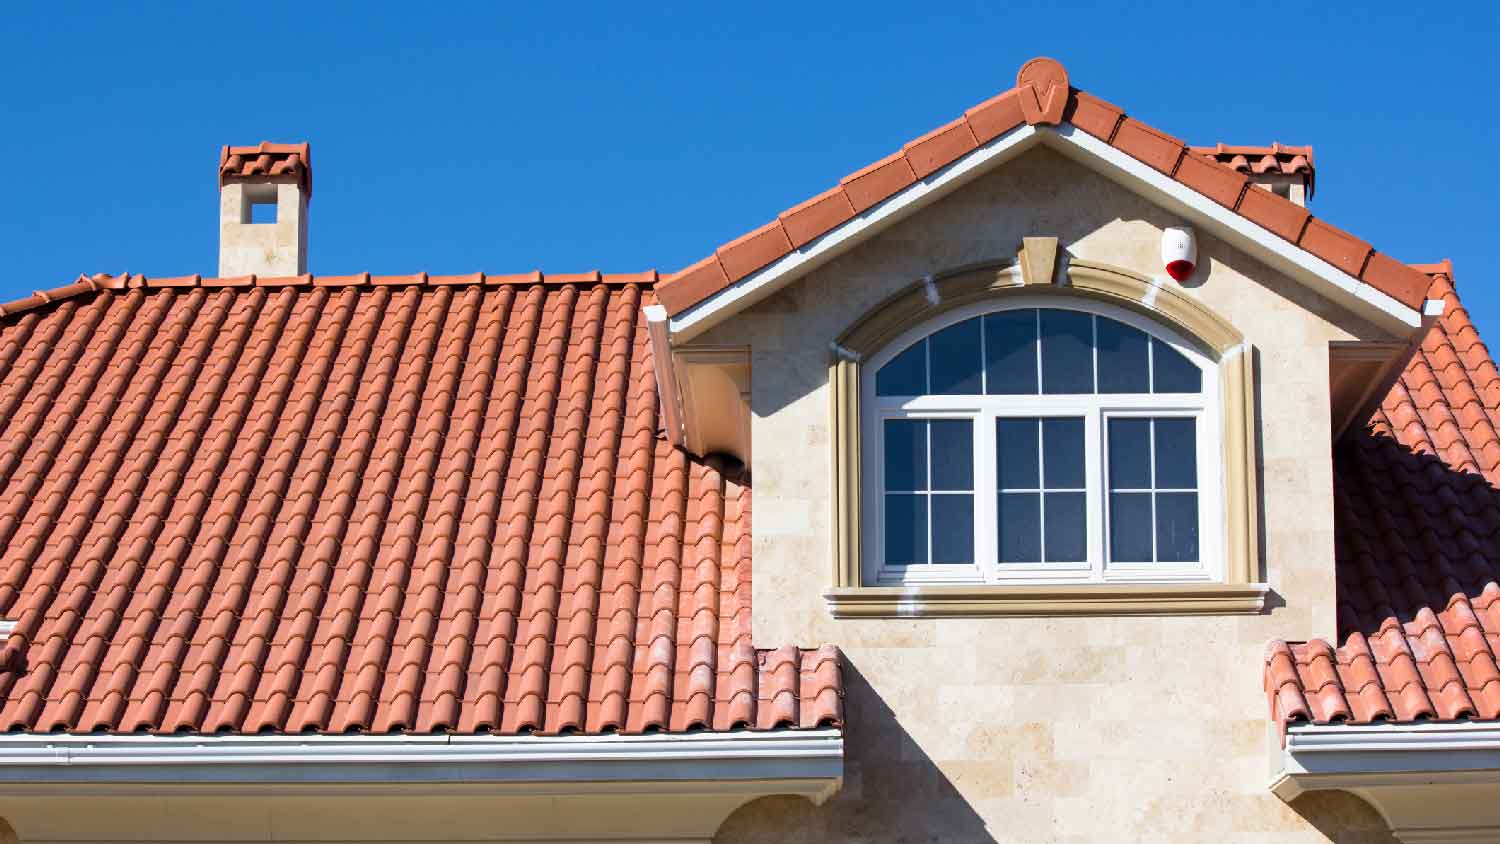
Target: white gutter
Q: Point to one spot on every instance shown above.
(1430, 781)
(363, 759)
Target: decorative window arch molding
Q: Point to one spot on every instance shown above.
(1038, 270)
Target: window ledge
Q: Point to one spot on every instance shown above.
(1044, 599)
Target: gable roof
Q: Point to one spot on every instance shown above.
(348, 504)
(1041, 98)
(1275, 160)
(1417, 496)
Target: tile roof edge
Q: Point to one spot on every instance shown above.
(104, 281)
(1023, 104)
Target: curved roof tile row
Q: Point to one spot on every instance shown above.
(424, 507)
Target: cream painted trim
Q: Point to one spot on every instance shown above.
(1239, 593)
(1307, 268)
(1066, 599)
(167, 762)
(1430, 781)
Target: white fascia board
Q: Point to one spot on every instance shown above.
(1330, 756)
(794, 755)
(1297, 262)
(7, 627)
(1305, 267)
(776, 275)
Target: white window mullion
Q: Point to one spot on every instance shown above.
(986, 528)
(1095, 496)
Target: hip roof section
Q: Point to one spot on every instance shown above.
(349, 504)
(1417, 495)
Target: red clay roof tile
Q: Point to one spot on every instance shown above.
(425, 505)
(267, 160)
(1042, 96)
(1418, 528)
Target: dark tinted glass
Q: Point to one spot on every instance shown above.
(1124, 358)
(1130, 527)
(1020, 527)
(1066, 528)
(1010, 352)
(1177, 527)
(1130, 454)
(953, 528)
(1062, 453)
(956, 359)
(905, 454)
(1173, 372)
(904, 375)
(1016, 453)
(1067, 352)
(905, 529)
(1176, 454)
(952, 453)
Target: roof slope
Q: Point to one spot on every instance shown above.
(1418, 539)
(1042, 96)
(355, 503)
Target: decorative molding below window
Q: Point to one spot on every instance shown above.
(1237, 593)
(1060, 599)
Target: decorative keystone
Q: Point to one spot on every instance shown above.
(1043, 85)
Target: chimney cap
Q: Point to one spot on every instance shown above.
(267, 162)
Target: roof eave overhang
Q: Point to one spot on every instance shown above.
(803, 762)
(1376, 307)
(1430, 781)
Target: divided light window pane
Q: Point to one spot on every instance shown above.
(1010, 353)
(929, 491)
(1124, 358)
(906, 374)
(1067, 352)
(956, 360)
(1153, 489)
(1174, 373)
(1041, 510)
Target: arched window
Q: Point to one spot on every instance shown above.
(1044, 440)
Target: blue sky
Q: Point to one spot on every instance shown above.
(624, 137)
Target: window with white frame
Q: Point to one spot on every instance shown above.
(1041, 442)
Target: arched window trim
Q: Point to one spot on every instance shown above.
(1203, 407)
(1174, 314)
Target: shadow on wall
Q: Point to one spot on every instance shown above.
(1343, 818)
(893, 792)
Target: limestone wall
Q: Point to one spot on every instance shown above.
(1037, 729)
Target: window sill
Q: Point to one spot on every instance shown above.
(982, 600)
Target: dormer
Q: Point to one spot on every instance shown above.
(264, 191)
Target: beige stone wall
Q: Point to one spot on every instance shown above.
(1035, 729)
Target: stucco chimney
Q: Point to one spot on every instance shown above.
(264, 191)
(1286, 171)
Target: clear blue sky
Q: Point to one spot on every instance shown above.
(629, 136)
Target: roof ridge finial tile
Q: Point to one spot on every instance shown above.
(1043, 84)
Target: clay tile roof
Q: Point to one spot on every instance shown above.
(1418, 548)
(266, 160)
(1276, 159)
(1042, 97)
(414, 503)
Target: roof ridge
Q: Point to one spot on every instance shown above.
(105, 281)
(1042, 96)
